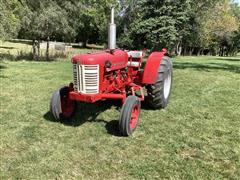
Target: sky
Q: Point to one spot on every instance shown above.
(238, 1)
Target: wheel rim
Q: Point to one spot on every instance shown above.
(134, 117)
(167, 85)
(67, 106)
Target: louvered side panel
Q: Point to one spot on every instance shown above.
(75, 77)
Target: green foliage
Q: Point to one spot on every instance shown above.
(218, 23)
(9, 18)
(212, 26)
(235, 42)
(192, 25)
(46, 20)
(157, 23)
(188, 25)
(74, 20)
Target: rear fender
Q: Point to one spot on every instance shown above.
(151, 68)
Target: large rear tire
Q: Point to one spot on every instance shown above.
(129, 115)
(61, 106)
(159, 93)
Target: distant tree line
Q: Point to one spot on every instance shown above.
(185, 27)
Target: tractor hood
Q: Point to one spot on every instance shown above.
(118, 59)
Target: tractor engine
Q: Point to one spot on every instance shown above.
(101, 72)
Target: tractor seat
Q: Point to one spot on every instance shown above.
(136, 58)
(135, 54)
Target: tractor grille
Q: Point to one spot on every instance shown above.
(75, 77)
(86, 78)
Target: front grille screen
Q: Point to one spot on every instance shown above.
(86, 78)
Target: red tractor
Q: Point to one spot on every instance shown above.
(116, 74)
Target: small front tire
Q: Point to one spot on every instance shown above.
(129, 115)
(61, 106)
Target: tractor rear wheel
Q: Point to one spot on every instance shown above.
(159, 93)
(129, 115)
(61, 106)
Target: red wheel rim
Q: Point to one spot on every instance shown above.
(67, 106)
(134, 117)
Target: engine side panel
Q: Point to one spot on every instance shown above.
(151, 68)
(118, 59)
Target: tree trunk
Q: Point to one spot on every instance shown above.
(185, 50)
(172, 51)
(191, 51)
(85, 43)
(47, 49)
(199, 51)
(227, 51)
(34, 49)
(221, 51)
(178, 48)
(38, 49)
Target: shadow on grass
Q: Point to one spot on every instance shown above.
(88, 47)
(5, 47)
(27, 42)
(2, 67)
(7, 56)
(207, 67)
(87, 112)
(234, 59)
(28, 56)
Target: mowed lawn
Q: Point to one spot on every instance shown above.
(196, 137)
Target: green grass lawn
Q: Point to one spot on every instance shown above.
(196, 137)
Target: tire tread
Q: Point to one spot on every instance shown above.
(155, 91)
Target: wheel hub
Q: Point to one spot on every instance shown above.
(134, 117)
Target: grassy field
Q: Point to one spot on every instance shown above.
(196, 137)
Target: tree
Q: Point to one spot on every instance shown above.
(192, 40)
(9, 18)
(188, 26)
(208, 26)
(158, 24)
(235, 40)
(90, 19)
(52, 21)
(44, 21)
(218, 27)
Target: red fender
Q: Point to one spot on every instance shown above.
(151, 68)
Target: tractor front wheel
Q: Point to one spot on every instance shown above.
(129, 115)
(61, 106)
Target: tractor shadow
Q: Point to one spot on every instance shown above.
(207, 67)
(87, 112)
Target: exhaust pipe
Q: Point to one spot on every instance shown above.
(112, 32)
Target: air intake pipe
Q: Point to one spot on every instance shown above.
(112, 32)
